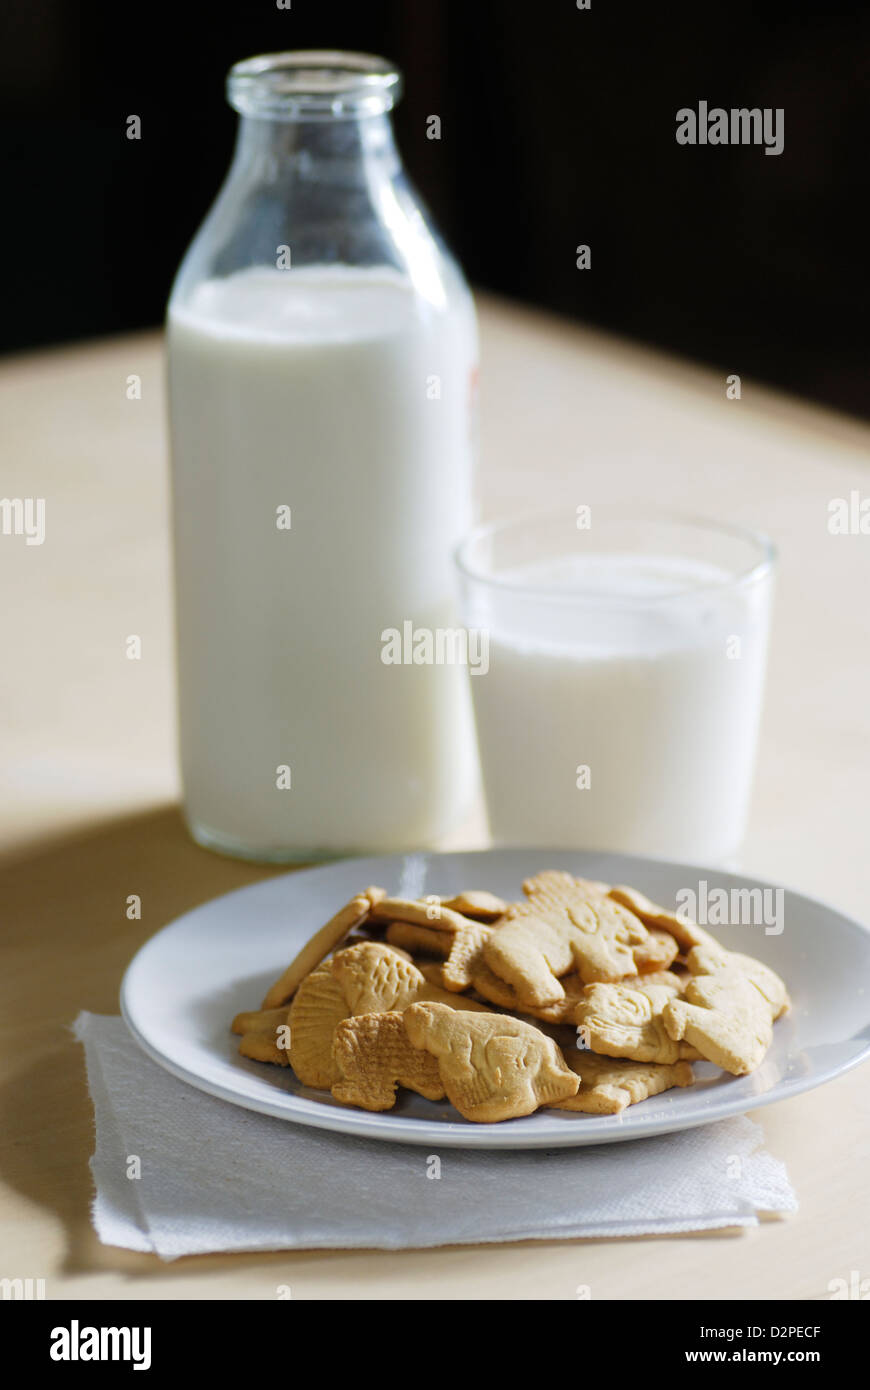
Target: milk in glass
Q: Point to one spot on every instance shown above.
(621, 706)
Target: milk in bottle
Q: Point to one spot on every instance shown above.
(322, 358)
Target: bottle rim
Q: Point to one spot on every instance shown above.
(313, 84)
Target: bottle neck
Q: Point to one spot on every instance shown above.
(348, 151)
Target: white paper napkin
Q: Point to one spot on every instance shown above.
(216, 1177)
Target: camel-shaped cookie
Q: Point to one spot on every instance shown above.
(492, 1067)
(626, 1021)
(729, 1008)
(564, 927)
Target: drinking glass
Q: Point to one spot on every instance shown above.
(619, 704)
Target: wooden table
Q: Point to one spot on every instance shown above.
(88, 813)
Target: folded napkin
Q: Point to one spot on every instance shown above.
(216, 1177)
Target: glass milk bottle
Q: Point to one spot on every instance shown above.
(322, 360)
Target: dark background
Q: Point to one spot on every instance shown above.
(558, 128)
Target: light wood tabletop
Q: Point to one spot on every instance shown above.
(88, 812)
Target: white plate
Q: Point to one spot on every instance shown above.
(184, 986)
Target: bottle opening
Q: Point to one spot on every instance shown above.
(313, 84)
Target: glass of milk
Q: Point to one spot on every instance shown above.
(619, 705)
(322, 365)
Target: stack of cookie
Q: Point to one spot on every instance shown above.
(580, 996)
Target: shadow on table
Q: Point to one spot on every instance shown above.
(67, 940)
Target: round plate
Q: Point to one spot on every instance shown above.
(184, 986)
